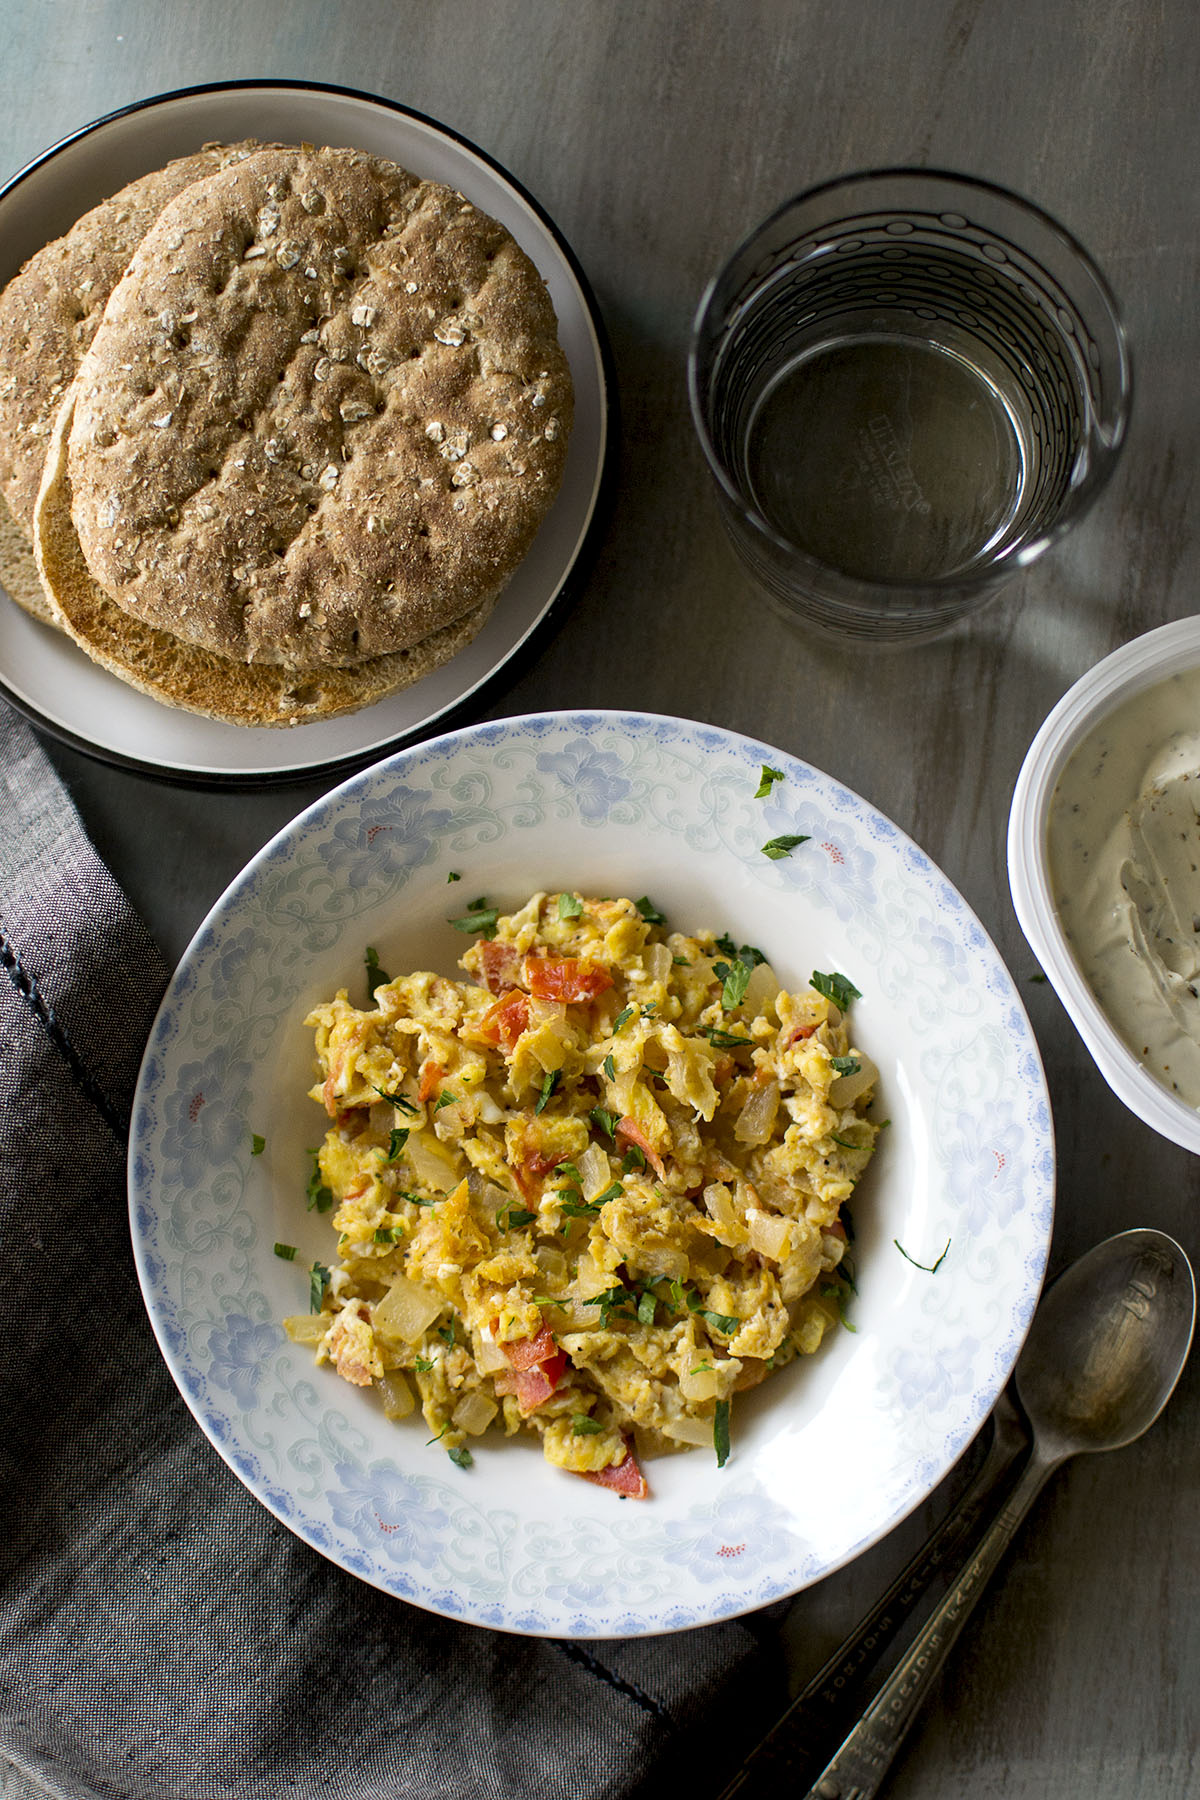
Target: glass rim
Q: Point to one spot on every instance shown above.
(1078, 500)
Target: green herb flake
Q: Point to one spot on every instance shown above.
(568, 1172)
(479, 917)
(622, 1019)
(645, 1307)
(845, 1065)
(318, 1282)
(583, 1425)
(735, 978)
(511, 1218)
(610, 1068)
(836, 988)
(376, 977)
(726, 1040)
(778, 847)
(848, 1143)
(549, 1083)
(446, 1098)
(721, 1432)
(257, 1144)
(633, 1159)
(570, 906)
(453, 875)
(831, 1291)
(604, 1121)
(286, 1251)
(449, 1333)
(724, 1322)
(397, 1138)
(648, 911)
(767, 780)
(387, 1234)
(320, 1197)
(461, 1457)
(399, 1100)
(681, 962)
(422, 1365)
(928, 1268)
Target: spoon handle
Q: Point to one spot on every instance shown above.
(835, 1694)
(858, 1768)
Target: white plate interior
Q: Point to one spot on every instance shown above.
(55, 680)
(828, 1455)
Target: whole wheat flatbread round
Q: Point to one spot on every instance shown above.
(18, 570)
(323, 416)
(179, 674)
(50, 309)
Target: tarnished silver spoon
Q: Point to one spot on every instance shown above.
(1107, 1345)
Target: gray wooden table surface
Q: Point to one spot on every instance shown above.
(655, 132)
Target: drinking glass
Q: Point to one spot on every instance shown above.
(908, 385)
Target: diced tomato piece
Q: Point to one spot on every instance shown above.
(432, 1077)
(499, 964)
(801, 1031)
(532, 1170)
(632, 1132)
(526, 1353)
(537, 1366)
(565, 978)
(504, 1022)
(623, 1478)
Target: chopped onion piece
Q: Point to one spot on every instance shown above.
(756, 1121)
(658, 962)
(761, 990)
(406, 1311)
(398, 1399)
(688, 1431)
(307, 1328)
(474, 1413)
(432, 1163)
(847, 1088)
(769, 1234)
(594, 1171)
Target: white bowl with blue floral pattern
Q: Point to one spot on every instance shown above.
(829, 1454)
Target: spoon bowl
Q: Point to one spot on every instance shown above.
(1107, 1345)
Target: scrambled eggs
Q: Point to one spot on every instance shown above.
(594, 1191)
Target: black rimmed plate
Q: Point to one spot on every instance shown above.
(54, 683)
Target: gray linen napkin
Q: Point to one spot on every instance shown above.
(162, 1637)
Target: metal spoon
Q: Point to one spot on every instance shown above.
(1107, 1345)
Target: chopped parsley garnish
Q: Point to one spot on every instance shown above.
(724, 1322)
(583, 1425)
(320, 1197)
(721, 1432)
(286, 1251)
(569, 1172)
(375, 975)
(681, 962)
(845, 1065)
(647, 1301)
(848, 1143)
(929, 1268)
(448, 1333)
(609, 1067)
(479, 916)
(836, 988)
(422, 1365)
(736, 978)
(446, 1098)
(318, 1281)
(634, 1158)
(604, 1121)
(388, 1234)
(747, 953)
(767, 780)
(549, 1083)
(397, 1138)
(511, 1218)
(648, 911)
(257, 1144)
(399, 1100)
(569, 906)
(574, 1206)
(778, 847)
(453, 875)
(725, 1040)
(461, 1457)
(616, 1299)
(417, 1199)
(622, 1019)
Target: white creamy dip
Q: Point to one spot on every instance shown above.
(1124, 855)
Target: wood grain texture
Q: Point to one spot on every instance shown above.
(656, 134)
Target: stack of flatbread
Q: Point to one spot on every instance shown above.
(277, 426)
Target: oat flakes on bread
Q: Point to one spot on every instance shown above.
(182, 675)
(323, 416)
(50, 309)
